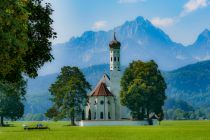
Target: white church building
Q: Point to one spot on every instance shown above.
(103, 105)
(104, 100)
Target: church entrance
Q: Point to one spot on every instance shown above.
(89, 114)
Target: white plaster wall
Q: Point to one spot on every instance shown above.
(115, 123)
(98, 107)
(115, 90)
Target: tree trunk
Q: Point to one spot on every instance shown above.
(2, 121)
(147, 113)
(72, 121)
(149, 119)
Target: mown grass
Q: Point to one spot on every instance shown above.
(168, 130)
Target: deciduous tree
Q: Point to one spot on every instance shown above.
(25, 35)
(11, 100)
(143, 89)
(69, 93)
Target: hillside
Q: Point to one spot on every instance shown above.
(190, 83)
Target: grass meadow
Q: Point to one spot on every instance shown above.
(168, 130)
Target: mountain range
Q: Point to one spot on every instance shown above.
(140, 39)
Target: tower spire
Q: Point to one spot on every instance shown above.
(115, 36)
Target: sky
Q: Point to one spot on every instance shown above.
(182, 20)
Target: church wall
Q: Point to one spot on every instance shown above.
(101, 105)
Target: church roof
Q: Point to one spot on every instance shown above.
(101, 90)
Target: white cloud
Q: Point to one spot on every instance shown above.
(87, 57)
(162, 22)
(180, 57)
(193, 5)
(206, 57)
(99, 25)
(130, 1)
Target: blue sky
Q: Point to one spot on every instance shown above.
(182, 20)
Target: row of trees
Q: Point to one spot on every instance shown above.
(179, 114)
(143, 92)
(25, 34)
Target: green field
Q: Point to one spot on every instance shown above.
(169, 130)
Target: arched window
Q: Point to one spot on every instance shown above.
(101, 115)
(83, 115)
(111, 59)
(118, 59)
(89, 114)
(109, 115)
(94, 115)
(114, 59)
(102, 102)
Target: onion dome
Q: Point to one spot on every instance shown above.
(114, 43)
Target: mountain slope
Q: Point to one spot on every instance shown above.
(190, 83)
(140, 40)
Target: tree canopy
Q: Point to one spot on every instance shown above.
(69, 93)
(143, 89)
(25, 35)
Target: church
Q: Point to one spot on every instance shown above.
(104, 100)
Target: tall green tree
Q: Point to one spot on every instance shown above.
(69, 93)
(11, 100)
(25, 35)
(143, 89)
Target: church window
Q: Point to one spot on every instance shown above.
(89, 114)
(101, 115)
(109, 115)
(102, 102)
(95, 116)
(114, 59)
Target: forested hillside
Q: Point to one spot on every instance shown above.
(188, 88)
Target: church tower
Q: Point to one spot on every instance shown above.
(115, 74)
